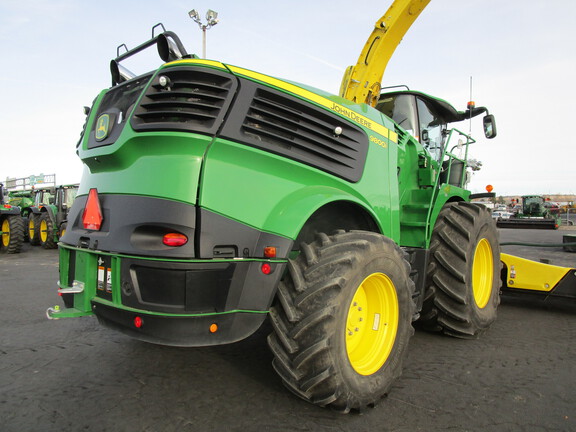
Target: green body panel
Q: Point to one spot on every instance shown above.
(146, 164)
(278, 195)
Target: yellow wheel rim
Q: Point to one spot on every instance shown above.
(372, 324)
(31, 228)
(43, 231)
(5, 233)
(482, 273)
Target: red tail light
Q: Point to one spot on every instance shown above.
(92, 216)
(174, 239)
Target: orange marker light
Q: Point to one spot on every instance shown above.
(270, 252)
(213, 328)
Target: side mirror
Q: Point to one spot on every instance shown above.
(489, 126)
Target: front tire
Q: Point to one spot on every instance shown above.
(342, 320)
(463, 288)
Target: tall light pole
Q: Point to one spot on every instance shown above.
(211, 21)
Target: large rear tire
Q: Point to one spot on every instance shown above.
(463, 288)
(343, 319)
(12, 237)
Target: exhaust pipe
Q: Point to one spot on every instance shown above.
(120, 73)
(168, 49)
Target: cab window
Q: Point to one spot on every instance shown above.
(402, 110)
(432, 129)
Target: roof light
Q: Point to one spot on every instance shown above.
(174, 239)
(92, 216)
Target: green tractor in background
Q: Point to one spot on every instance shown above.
(25, 200)
(48, 217)
(11, 225)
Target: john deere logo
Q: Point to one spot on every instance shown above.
(102, 127)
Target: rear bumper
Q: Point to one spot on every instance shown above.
(186, 331)
(177, 301)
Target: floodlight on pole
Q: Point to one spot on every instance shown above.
(211, 21)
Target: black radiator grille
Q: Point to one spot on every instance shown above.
(193, 100)
(295, 129)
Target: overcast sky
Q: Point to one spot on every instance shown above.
(54, 58)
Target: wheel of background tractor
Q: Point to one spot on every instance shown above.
(62, 230)
(46, 232)
(12, 234)
(463, 277)
(34, 229)
(342, 320)
(25, 222)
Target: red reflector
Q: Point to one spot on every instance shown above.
(7, 206)
(266, 269)
(92, 216)
(270, 252)
(174, 239)
(138, 322)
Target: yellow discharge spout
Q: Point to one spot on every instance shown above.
(361, 83)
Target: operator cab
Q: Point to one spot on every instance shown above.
(426, 118)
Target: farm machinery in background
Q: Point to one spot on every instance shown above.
(43, 207)
(48, 217)
(534, 214)
(11, 225)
